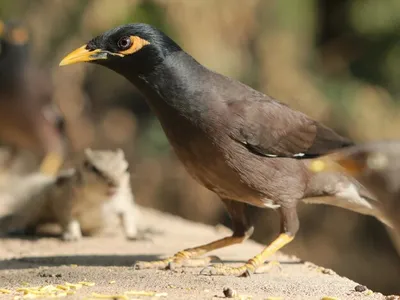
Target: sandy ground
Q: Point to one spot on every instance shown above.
(107, 262)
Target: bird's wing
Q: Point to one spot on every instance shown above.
(267, 127)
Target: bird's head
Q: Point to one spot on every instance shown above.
(133, 48)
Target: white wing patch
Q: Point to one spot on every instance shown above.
(294, 155)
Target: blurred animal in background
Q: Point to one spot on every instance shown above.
(375, 165)
(29, 119)
(19, 178)
(88, 199)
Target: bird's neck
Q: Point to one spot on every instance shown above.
(174, 85)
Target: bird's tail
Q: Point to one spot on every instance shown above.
(378, 209)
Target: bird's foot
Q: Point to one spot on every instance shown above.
(181, 259)
(224, 270)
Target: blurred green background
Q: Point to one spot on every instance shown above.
(336, 60)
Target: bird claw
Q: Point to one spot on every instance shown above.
(223, 270)
(246, 274)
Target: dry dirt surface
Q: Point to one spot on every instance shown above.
(105, 265)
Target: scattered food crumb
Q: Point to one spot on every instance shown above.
(144, 293)
(73, 285)
(5, 291)
(368, 292)
(85, 283)
(73, 265)
(360, 288)
(329, 298)
(273, 298)
(112, 282)
(111, 297)
(171, 286)
(49, 291)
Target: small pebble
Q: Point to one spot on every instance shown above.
(328, 271)
(229, 293)
(360, 288)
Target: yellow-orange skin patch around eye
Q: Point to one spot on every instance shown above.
(19, 36)
(137, 44)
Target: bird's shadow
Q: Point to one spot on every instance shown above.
(29, 262)
(143, 234)
(80, 260)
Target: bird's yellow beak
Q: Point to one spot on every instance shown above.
(83, 55)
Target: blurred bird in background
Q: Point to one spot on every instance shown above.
(376, 165)
(29, 119)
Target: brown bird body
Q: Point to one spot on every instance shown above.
(231, 135)
(245, 146)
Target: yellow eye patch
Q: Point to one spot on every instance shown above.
(137, 43)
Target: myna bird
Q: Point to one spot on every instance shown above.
(376, 165)
(241, 144)
(28, 117)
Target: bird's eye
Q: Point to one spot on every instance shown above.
(124, 43)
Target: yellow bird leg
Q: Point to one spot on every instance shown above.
(252, 264)
(188, 257)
